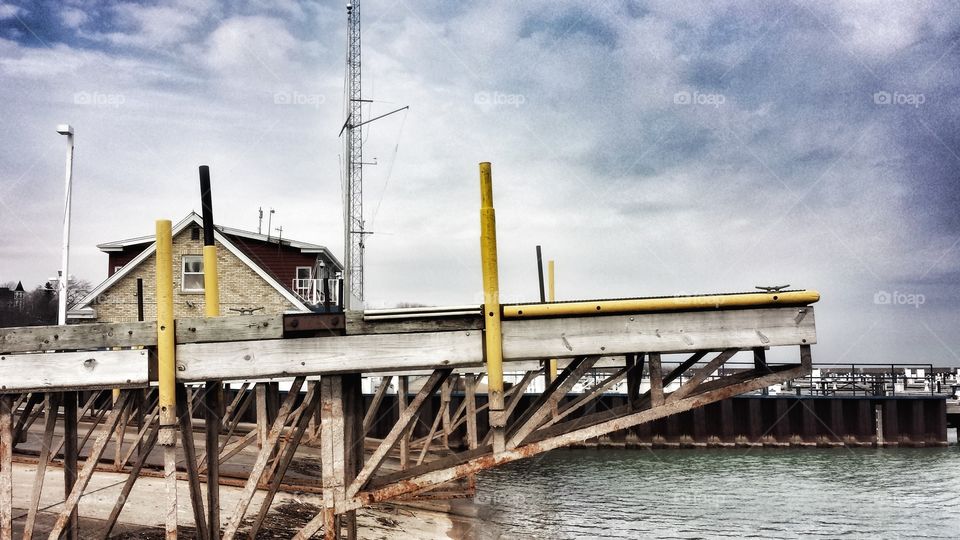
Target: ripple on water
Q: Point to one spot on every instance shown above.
(727, 493)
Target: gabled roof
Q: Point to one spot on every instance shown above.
(192, 218)
(304, 247)
(19, 287)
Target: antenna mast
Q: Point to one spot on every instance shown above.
(353, 190)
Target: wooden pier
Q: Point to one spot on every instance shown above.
(150, 398)
(43, 371)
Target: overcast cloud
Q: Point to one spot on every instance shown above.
(650, 147)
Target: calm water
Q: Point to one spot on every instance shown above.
(748, 493)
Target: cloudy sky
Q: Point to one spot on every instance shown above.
(650, 147)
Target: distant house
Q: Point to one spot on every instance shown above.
(257, 274)
(12, 298)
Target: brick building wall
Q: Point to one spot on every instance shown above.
(240, 287)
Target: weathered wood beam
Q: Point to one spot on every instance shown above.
(71, 371)
(129, 482)
(701, 375)
(260, 465)
(515, 397)
(34, 399)
(593, 394)
(407, 416)
(184, 417)
(262, 421)
(137, 334)
(547, 403)
(137, 445)
(311, 401)
(678, 371)
(6, 467)
(446, 396)
(403, 393)
(470, 401)
(429, 438)
(52, 406)
(656, 379)
(70, 402)
(660, 332)
(374, 408)
(523, 340)
(470, 462)
(213, 400)
(328, 355)
(88, 467)
(233, 449)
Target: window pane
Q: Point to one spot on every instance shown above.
(303, 272)
(193, 282)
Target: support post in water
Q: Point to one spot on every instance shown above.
(491, 307)
(166, 370)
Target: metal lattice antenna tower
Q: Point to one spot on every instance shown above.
(353, 189)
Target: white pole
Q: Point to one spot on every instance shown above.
(63, 286)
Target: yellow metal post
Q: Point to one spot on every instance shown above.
(211, 284)
(166, 345)
(491, 306)
(166, 369)
(551, 296)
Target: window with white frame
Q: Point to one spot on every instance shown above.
(192, 273)
(304, 272)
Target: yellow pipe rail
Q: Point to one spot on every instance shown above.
(672, 303)
(491, 305)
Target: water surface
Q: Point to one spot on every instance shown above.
(726, 493)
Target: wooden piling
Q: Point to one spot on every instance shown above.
(70, 404)
(6, 467)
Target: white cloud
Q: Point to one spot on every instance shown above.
(73, 17)
(9, 11)
(629, 191)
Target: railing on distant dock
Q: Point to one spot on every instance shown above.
(872, 380)
(317, 291)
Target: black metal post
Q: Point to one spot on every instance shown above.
(543, 296)
(213, 398)
(140, 299)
